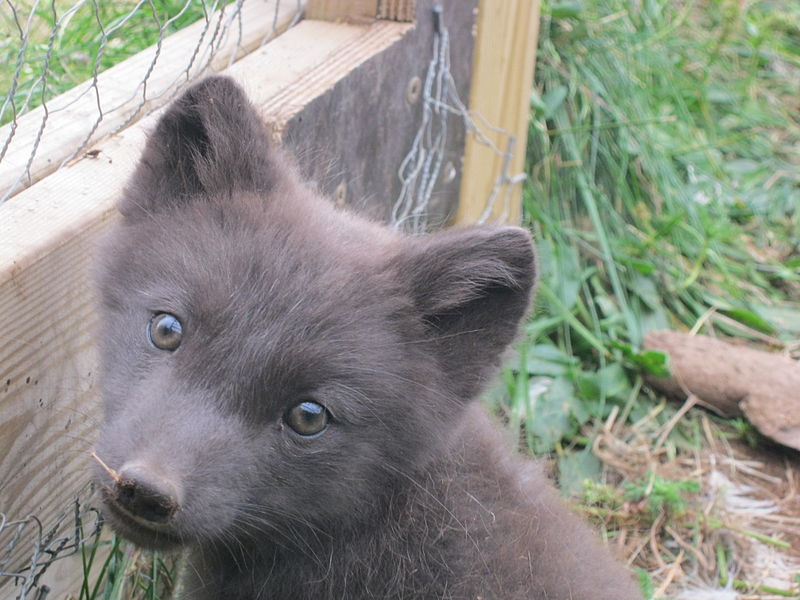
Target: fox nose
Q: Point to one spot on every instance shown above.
(145, 494)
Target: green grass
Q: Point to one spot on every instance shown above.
(663, 193)
(661, 495)
(86, 38)
(664, 188)
(115, 570)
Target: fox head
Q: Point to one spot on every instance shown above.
(273, 367)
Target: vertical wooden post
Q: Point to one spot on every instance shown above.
(502, 75)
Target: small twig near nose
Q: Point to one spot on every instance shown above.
(114, 475)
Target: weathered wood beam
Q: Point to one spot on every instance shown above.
(397, 10)
(502, 75)
(357, 158)
(359, 11)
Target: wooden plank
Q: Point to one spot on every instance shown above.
(70, 116)
(360, 10)
(342, 10)
(359, 164)
(397, 10)
(505, 54)
(48, 401)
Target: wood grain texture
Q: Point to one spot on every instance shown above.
(358, 11)
(70, 116)
(397, 10)
(287, 103)
(354, 135)
(502, 75)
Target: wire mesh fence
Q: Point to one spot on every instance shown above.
(78, 526)
(62, 86)
(421, 169)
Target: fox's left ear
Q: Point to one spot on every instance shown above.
(472, 288)
(209, 141)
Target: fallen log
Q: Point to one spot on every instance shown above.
(733, 381)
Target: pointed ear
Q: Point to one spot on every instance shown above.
(472, 287)
(210, 141)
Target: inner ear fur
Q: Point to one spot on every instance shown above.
(210, 141)
(472, 288)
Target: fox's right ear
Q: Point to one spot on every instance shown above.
(471, 287)
(210, 141)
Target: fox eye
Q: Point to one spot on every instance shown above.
(164, 332)
(307, 418)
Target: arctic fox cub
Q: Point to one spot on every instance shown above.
(290, 389)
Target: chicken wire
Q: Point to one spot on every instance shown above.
(47, 44)
(76, 528)
(421, 168)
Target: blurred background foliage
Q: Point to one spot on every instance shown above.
(663, 192)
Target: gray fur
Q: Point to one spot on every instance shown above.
(411, 492)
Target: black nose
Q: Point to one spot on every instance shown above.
(145, 495)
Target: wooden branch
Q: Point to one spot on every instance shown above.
(72, 114)
(733, 380)
(502, 75)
